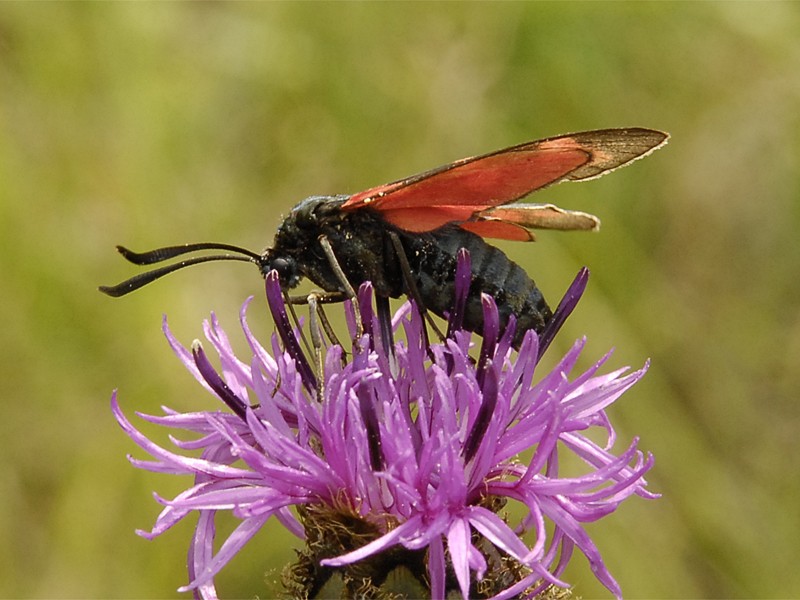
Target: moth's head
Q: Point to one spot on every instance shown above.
(297, 235)
(285, 264)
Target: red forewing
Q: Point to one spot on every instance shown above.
(466, 190)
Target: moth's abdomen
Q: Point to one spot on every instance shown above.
(433, 261)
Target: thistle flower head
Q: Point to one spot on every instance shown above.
(404, 451)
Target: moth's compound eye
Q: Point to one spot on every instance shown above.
(287, 271)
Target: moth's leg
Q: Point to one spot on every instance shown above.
(316, 342)
(322, 298)
(411, 285)
(326, 326)
(384, 315)
(348, 289)
(290, 302)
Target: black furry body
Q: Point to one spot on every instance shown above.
(362, 245)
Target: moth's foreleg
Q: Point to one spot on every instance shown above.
(411, 286)
(346, 285)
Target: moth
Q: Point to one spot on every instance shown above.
(404, 236)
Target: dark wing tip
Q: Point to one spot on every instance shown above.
(614, 148)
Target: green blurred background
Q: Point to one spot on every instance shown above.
(152, 124)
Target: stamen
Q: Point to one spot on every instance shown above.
(485, 412)
(364, 300)
(491, 329)
(366, 405)
(284, 327)
(221, 389)
(565, 308)
(384, 316)
(463, 279)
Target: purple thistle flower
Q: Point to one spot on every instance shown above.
(405, 450)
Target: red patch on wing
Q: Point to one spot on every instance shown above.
(457, 191)
(417, 220)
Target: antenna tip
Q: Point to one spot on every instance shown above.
(108, 290)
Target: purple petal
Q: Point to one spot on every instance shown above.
(564, 309)
(458, 546)
(236, 540)
(284, 327)
(215, 382)
(494, 529)
(436, 567)
(200, 554)
(463, 278)
(376, 546)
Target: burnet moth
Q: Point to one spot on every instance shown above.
(404, 236)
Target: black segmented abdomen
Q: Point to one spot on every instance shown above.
(432, 257)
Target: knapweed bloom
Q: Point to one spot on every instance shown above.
(401, 456)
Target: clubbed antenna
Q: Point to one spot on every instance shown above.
(169, 252)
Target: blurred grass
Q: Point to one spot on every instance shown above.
(150, 124)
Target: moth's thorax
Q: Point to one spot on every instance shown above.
(296, 252)
(305, 220)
